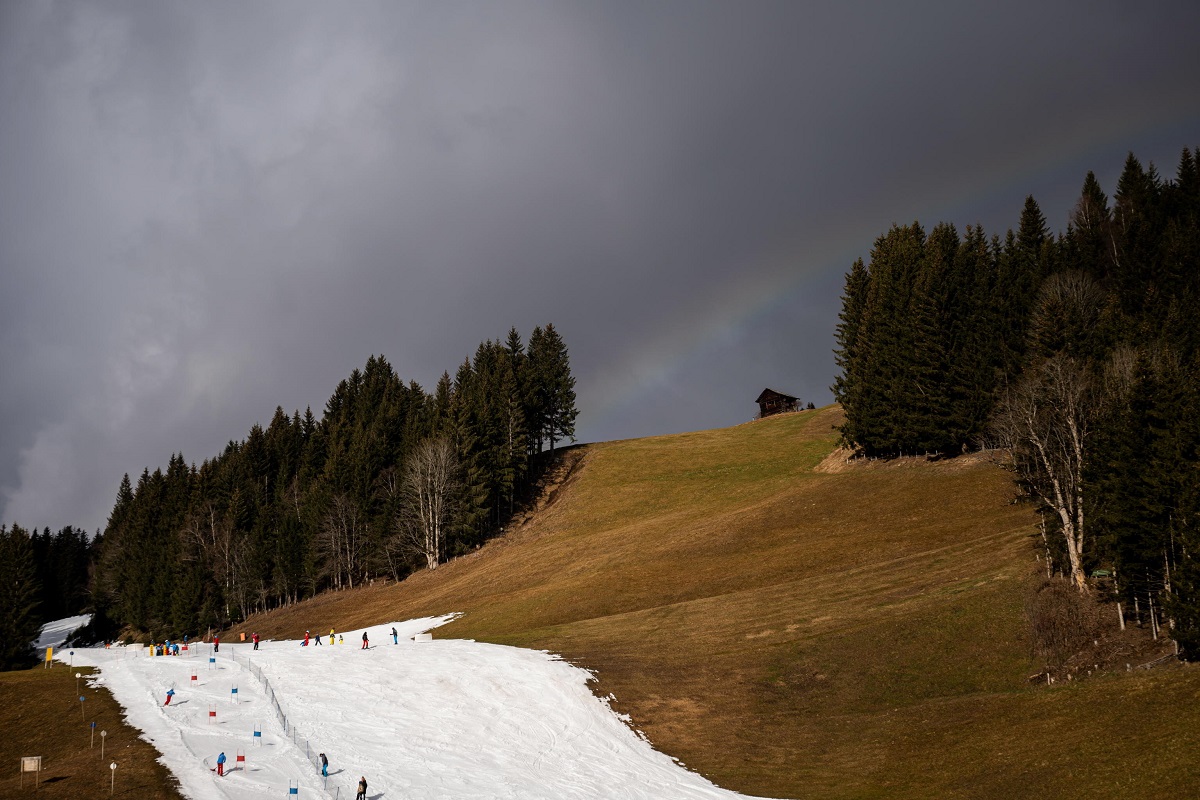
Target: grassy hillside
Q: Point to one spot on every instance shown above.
(40, 715)
(791, 625)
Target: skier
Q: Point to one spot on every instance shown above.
(340, 639)
(324, 766)
(317, 639)
(365, 642)
(331, 635)
(170, 694)
(362, 789)
(254, 636)
(305, 639)
(216, 643)
(395, 636)
(221, 765)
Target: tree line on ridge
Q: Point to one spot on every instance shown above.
(1077, 352)
(307, 504)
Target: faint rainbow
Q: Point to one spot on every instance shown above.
(781, 273)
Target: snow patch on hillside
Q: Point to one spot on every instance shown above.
(418, 719)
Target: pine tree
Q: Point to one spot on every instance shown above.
(849, 353)
(19, 617)
(551, 367)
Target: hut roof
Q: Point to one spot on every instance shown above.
(768, 394)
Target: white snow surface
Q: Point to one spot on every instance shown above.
(419, 719)
(55, 633)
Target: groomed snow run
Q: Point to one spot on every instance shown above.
(419, 719)
(55, 633)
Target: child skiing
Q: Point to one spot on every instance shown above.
(331, 635)
(365, 642)
(216, 643)
(254, 637)
(305, 639)
(170, 694)
(221, 765)
(324, 766)
(395, 636)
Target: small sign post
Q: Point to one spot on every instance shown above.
(78, 675)
(93, 744)
(49, 657)
(103, 734)
(82, 716)
(113, 782)
(233, 695)
(31, 764)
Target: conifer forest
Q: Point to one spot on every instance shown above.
(1077, 353)
(309, 504)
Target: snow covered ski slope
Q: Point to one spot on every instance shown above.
(422, 719)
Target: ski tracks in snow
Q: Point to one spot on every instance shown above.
(420, 720)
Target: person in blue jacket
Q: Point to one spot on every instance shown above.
(221, 764)
(170, 694)
(324, 766)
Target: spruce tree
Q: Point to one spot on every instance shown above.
(19, 615)
(849, 354)
(552, 387)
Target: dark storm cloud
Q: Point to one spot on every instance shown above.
(209, 210)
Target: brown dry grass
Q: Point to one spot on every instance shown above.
(792, 625)
(40, 716)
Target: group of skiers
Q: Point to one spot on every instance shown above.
(316, 640)
(169, 648)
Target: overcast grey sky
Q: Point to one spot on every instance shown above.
(211, 209)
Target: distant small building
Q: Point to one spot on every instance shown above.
(773, 402)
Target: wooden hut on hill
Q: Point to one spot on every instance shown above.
(773, 402)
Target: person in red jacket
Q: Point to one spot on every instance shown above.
(216, 643)
(305, 639)
(254, 636)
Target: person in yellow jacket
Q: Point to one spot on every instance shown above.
(331, 635)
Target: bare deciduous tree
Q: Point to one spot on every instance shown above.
(1066, 316)
(342, 540)
(430, 489)
(214, 535)
(1045, 421)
